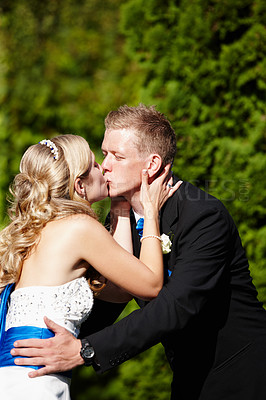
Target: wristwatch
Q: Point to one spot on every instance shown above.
(87, 352)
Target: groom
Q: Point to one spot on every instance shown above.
(207, 315)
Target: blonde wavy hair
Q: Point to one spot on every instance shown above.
(43, 191)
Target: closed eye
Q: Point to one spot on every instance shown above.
(118, 157)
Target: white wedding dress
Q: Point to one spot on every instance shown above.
(68, 305)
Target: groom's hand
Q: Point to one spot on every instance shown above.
(57, 354)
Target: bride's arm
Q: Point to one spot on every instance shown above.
(120, 229)
(142, 278)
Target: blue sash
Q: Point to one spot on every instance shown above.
(3, 310)
(20, 333)
(7, 338)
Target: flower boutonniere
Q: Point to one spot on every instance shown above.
(166, 243)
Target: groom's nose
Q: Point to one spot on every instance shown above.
(101, 168)
(106, 165)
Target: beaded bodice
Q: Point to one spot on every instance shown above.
(68, 305)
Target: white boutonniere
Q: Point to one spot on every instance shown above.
(166, 243)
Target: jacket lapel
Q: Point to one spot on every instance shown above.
(168, 226)
(135, 235)
(169, 216)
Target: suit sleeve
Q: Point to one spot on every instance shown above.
(200, 251)
(103, 314)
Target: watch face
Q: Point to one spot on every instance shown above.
(88, 352)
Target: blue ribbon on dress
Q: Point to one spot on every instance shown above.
(7, 338)
(20, 333)
(3, 309)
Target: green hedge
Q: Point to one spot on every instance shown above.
(65, 64)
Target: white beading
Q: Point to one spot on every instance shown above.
(68, 305)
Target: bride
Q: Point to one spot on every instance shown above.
(54, 254)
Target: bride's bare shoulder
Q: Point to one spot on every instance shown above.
(83, 231)
(75, 224)
(80, 221)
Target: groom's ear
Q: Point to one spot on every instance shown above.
(79, 188)
(154, 165)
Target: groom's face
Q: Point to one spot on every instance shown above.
(122, 164)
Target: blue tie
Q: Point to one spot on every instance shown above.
(139, 226)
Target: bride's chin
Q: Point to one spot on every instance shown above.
(102, 196)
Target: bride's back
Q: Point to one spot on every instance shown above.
(54, 260)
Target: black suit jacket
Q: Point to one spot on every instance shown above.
(207, 315)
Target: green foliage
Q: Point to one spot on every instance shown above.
(147, 376)
(62, 70)
(65, 64)
(205, 67)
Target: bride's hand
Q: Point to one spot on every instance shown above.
(154, 195)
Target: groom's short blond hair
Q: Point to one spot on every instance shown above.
(154, 132)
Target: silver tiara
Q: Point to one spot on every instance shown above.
(52, 146)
